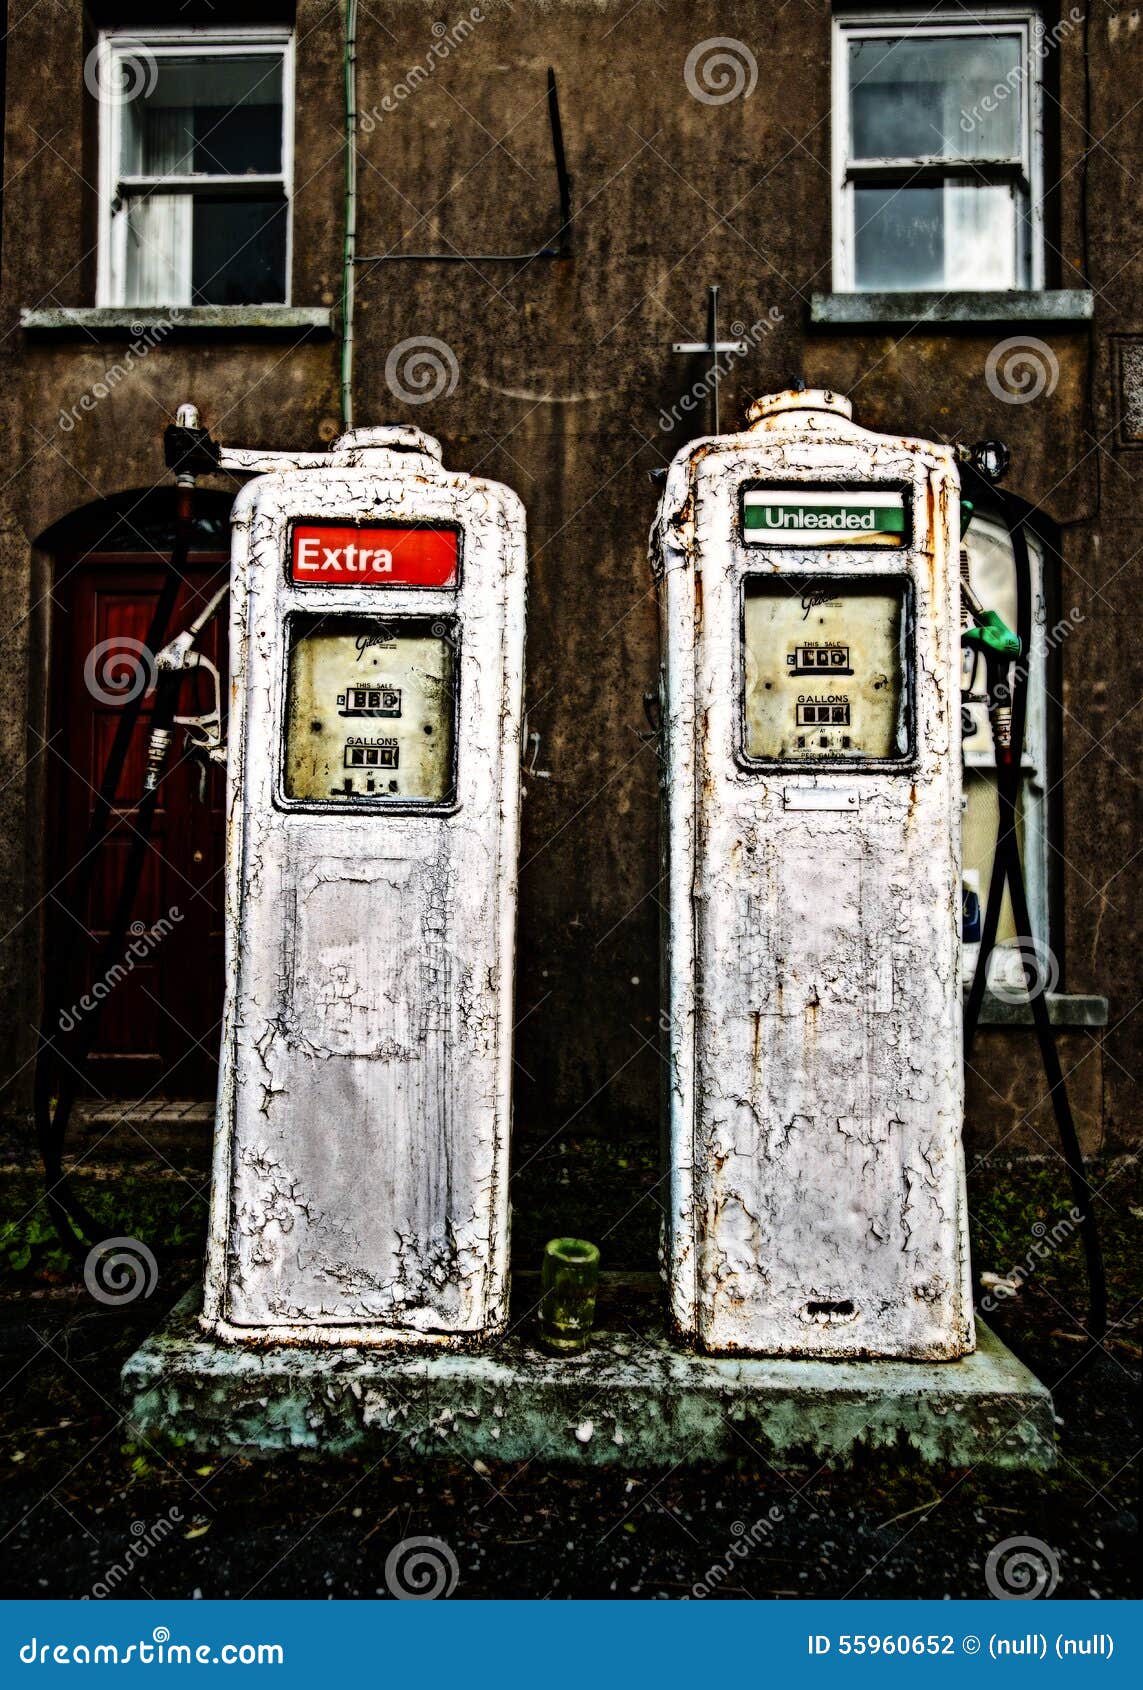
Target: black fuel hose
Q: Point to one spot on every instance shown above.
(76, 1227)
(1007, 870)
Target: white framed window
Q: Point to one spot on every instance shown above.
(992, 577)
(937, 150)
(195, 166)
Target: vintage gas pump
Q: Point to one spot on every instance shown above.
(807, 574)
(361, 1160)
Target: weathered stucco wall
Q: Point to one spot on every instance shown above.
(563, 373)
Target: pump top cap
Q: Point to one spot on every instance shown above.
(797, 399)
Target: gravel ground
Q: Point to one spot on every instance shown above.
(84, 1511)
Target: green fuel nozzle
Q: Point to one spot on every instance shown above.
(991, 634)
(992, 638)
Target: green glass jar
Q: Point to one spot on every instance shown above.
(567, 1304)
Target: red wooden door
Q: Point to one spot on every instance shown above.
(158, 1026)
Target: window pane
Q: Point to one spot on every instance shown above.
(216, 116)
(992, 575)
(959, 235)
(158, 250)
(239, 251)
(923, 96)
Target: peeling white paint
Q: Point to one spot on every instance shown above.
(361, 1163)
(812, 1019)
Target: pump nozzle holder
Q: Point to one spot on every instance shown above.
(570, 1281)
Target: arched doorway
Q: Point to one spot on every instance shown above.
(157, 1025)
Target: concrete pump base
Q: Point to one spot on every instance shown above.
(632, 1400)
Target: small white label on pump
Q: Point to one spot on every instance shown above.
(819, 798)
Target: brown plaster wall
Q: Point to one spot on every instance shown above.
(564, 371)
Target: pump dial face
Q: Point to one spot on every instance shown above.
(370, 708)
(825, 670)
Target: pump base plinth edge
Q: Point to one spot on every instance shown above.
(630, 1400)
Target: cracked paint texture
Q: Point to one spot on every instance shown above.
(813, 1024)
(360, 1185)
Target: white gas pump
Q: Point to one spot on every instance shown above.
(361, 1159)
(807, 574)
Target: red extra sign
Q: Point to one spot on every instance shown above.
(328, 556)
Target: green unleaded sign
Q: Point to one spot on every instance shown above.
(817, 516)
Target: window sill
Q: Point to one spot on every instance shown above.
(1064, 308)
(1065, 1009)
(126, 322)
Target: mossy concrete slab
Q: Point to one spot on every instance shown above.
(632, 1400)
